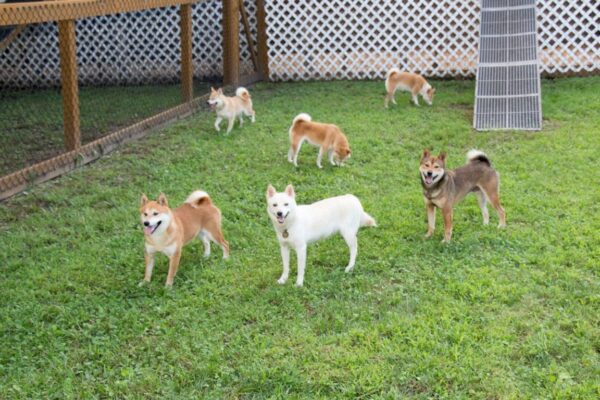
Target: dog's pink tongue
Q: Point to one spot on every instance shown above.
(148, 230)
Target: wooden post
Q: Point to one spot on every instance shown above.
(187, 72)
(261, 39)
(69, 84)
(231, 42)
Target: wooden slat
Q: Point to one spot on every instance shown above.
(249, 38)
(60, 10)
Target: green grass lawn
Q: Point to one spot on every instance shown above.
(31, 121)
(508, 313)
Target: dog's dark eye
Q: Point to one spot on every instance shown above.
(274, 204)
(155, 214)
(286, 204)
(145, 214)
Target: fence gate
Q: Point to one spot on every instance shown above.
(508, 78)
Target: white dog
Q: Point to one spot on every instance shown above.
(298, 225)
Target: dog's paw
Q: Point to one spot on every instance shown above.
(348, 269)
(427, 235)
(143, 283)
(281, 281)
(444, 241)
(501, 226)
(299, 284)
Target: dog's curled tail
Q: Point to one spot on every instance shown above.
(367, 220)
(302, 117)
(388, 75)
(198, 198)
(478, 155)
(243, 93)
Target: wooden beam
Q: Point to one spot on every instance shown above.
(231, 42)
(261, 39)
(61, 10)
(69, 85)
(249, 38)
(187, 71)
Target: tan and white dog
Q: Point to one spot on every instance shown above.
(407, 81)
(328, 137)
(444, 188)
(230, 108)
(167, 231)
(299, 225)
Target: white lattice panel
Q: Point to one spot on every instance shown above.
(132, 48)
(362, 39)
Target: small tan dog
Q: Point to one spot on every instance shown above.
(231, 108)
(167, 231)
(445, 188)
(407, 81)
(328, 137)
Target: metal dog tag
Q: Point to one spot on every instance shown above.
(285, 234)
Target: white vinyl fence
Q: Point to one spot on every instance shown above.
(308, 39)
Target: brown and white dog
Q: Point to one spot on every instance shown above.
(444, 188)
(167, 231)
(328, 137)
(407, 81)
(231, 108)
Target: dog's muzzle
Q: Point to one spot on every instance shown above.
(281, 217)
(150, 229)
(429, 178)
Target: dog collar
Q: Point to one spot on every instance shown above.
(285, 234)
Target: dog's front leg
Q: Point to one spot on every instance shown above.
(218, 123)
(430, 219)
(285, 257)
(320, 157)
(415, 99)
(331, 157)
(447, 213)
(149, 257)
(173, 264)
(230, 126)
(301, 254)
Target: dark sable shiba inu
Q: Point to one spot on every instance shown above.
(444, 188)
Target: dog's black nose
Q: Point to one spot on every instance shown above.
(429, 173)
(279, 214)
(146, 223)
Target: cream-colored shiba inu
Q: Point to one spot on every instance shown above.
(328, 137)
(407, 81)
(298, 225)
(231, 108)
(444, 188)
(167, 231)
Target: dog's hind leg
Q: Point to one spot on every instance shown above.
(352, 242)
(296, 149)
(481, 199)
(203, 235)
(494, 197)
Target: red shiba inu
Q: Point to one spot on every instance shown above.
(444, 188)
(328, 137)
(231, 108)
(407, 81)
(167, 231)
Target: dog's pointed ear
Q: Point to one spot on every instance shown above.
(212, 89)
(442, 156)
(143, 200)
(162, 200)
(432, 90)
(270, 191)
(220, 91)
(289, 190)
(426, 154)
